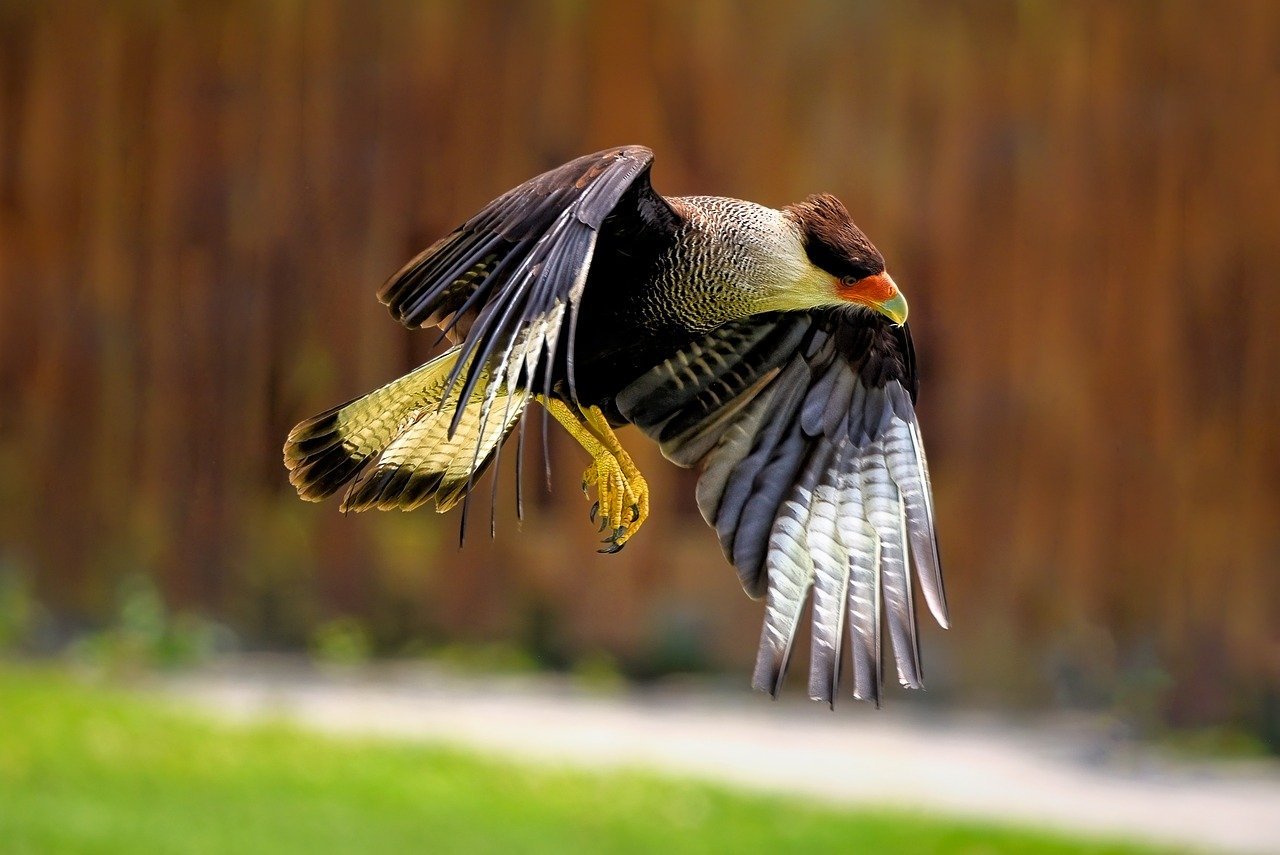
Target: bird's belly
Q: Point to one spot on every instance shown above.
(610, 351)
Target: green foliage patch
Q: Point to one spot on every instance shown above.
(85, 768)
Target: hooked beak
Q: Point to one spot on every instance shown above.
(895, 309)
(880, 293)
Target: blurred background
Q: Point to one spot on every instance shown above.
(198, 202)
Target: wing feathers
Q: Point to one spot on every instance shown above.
(864, 593)
(503, 284)
(755, 486)
(814, 479)
(790, 579)
(904, 453)
(674, 399)
(830, 586)
(883, 508)
(731, 448)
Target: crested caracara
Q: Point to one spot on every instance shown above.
(768, 347)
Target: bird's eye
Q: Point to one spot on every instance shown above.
(848, 280)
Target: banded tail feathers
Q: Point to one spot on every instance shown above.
(394, 447)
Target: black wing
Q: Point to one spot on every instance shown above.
(814, 477)
(509, 278)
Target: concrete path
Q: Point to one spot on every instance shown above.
(1065, 774)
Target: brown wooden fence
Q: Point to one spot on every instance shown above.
(1082, 201)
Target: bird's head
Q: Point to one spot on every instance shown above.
(843, 267)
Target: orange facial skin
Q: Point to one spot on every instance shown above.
(878, 292)
(873, 290)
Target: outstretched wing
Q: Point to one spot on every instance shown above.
(814, 477)
(504, 283)
(510, 279)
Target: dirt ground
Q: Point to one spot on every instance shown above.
(1067, 773)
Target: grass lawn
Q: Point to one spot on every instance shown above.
(85, 769)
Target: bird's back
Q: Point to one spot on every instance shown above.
(675, 287)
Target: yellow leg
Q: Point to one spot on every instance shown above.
(623, 502)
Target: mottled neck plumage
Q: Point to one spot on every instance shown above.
(730, 259)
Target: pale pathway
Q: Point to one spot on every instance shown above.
(1065, 775)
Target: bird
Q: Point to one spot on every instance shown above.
(768, 347)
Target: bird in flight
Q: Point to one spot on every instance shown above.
(767, 347)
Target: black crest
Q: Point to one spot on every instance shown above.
(832, 241)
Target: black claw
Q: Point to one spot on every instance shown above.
(611, 549)
(595, 509)
(635, 511)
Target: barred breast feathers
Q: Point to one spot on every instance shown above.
(734, 259)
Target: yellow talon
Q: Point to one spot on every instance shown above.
(622, 501)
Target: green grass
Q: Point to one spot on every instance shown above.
(85, 769)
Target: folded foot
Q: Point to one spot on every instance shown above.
(622, 502)
(622, 494)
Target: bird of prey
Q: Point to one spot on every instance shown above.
(768, 347)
